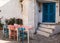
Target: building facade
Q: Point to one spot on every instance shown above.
(43, 11)
(33, 11)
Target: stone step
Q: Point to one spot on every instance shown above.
(47, 26)
(46, 30)
(43, 33)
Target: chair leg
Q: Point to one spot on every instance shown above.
(9, 33)
(3, 33)
(23, 37)
(28, 36)
(18, 37)
(14, 35)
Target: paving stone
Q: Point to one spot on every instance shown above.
(36, 39)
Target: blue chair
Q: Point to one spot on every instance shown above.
(21, 34)
(5, 31)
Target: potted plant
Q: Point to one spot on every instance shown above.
(10, 21)
(19, 21)
(1, 26)
(13, 20)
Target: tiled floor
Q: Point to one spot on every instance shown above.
(36, 39)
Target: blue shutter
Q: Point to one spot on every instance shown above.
(49, 12)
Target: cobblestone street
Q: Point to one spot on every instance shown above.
(36, 39)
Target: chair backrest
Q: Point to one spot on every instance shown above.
(21, 29)
(5, 26)
(11, 27)
(5, 29)
(18, 26)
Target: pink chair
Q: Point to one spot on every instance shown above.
(12, 32)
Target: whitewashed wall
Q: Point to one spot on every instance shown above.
(28, 12)
(11, 9)
(38, 17)
(57, 13)
(40, 13)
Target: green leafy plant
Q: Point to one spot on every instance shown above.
(10, 21)
(1, 25)
(19, 21)
(13, 20)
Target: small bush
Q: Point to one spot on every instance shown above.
(19, 21)
(13, 20)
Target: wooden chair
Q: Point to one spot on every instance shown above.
(21, 35)
(5, 31)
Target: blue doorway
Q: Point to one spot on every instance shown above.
(49, 10)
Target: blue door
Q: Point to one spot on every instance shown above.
(49, 12)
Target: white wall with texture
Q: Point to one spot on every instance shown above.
(11, 9)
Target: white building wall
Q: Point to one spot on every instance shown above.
(36, 13)
(57, 12)
(28, 12)
(11, 9)
(25, 12)
(40, 13)
(31, 13)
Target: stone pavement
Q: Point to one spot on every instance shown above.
(36, 39)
